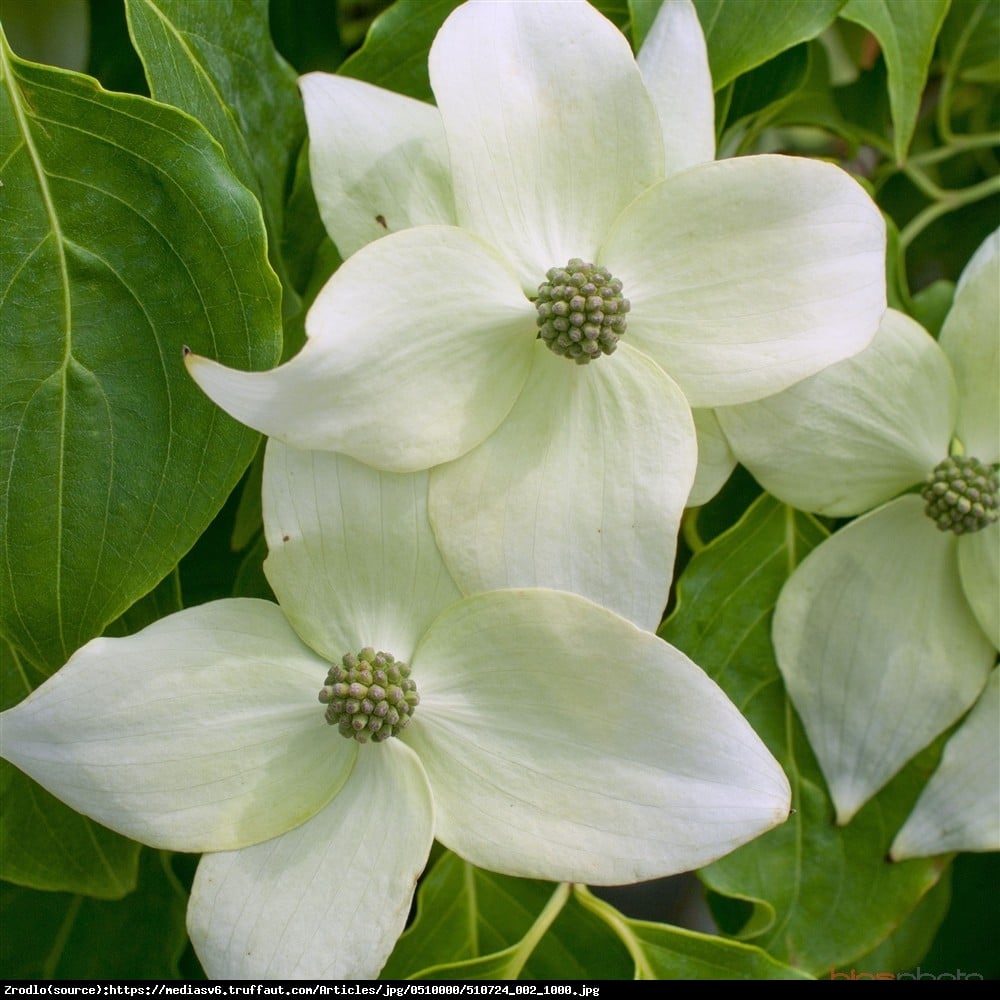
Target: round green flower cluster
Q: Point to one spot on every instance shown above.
(369, 696)
(961, 495)
(581, 311)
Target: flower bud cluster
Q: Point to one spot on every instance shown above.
(581, 311)
(961, 495)
(369, 696)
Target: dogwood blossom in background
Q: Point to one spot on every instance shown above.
(887, 632)
(547, 212)
(538, 735)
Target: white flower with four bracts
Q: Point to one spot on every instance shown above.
(552, 739)
(887, 632)
(550, 144)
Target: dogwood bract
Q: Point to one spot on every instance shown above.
(537, 734)
(557, 207)
(887, 632)
(959, 809)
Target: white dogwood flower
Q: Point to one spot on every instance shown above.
(531, 731)
(558, 205)
(887, 632)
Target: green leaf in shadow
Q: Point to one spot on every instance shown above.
(970, 37)
(907, 32)
(46, 845)
(126, 237)
(54, 935)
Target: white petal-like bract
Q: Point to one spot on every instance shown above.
(878, 647)
(562, 742)
(378, 160)
(582, 487)
(418, 346)
(959, 809)
(858, 433)
(550, 128)
(747, 275)
(674, 65)
(352, 558)
(329, 899)
(202, 732)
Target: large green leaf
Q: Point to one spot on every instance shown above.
(664, 952)
(823, 894)
(53, 935)
(216, 61)
(907, 32)
(743, 35)
(125, 237)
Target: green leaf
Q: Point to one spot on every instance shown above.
(394, 54)
(908, 944)
(164, 599)
(207, 572)
(907, 32)
(664, 952)
(865, 101)
(642, 15)
(129, 238)
(579, 945)
(46, 845)
(474, 924)
(813, 103)
(931, 304)
(250, 580)
(743, 35)
(248, 522)
(620, 13)
(52, 935)
(970, 37)
(823, 894)
(304, 231)
(216, 61)
(759, 96)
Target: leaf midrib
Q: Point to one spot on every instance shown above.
(20, 104)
